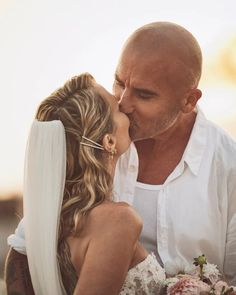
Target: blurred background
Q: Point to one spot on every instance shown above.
(43, 43)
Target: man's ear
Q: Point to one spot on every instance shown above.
(191, 100)
(109, 142)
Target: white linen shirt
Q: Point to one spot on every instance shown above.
(196, 210)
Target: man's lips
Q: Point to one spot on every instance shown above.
(133, 124)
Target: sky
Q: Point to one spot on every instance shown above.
(43, 43)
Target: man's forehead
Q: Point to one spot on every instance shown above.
(142, 65)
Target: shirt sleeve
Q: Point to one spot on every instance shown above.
(230, 250)
(17, 240)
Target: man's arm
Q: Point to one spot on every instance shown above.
(230, 249)
(17, 275)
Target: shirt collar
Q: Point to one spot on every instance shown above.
(194, 151)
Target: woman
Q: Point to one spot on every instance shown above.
(78, 240)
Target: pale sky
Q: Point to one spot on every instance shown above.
(43, 43)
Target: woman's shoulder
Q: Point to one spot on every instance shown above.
(116, 216)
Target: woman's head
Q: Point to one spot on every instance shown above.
(83, 112)
(86, 109)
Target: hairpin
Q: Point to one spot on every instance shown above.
(94, 143)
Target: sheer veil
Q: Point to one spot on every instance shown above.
(44, 181)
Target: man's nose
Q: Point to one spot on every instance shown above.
(125, 102)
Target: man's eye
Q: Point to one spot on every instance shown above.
(144, 95)
(119, 83)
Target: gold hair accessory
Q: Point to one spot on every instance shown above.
(112, 153)
(93, 145)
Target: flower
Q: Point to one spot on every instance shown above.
(211, 272)
(188, 286)
(200, 260)
(170, 281)
(203, 278)
(220, 287)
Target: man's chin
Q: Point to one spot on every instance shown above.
(137, 137)
(133, 135)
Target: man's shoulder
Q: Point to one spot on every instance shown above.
(214, 131)
(223, 145)
(220, 137)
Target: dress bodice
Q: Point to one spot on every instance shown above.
(144, 278)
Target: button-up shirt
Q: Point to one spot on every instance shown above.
(196, 210)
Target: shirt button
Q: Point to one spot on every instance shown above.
(132, 168)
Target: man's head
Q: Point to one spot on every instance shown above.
(157, 77)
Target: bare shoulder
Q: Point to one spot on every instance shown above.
(107, 224)
(119, 211)
(116, 217)
(113, 230)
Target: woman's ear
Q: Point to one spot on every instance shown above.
(191, 100)
(109, 143)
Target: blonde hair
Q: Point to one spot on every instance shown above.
(82, 111)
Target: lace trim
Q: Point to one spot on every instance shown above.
(147, 261)
(144, 278)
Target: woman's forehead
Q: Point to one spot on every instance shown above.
(107, 95)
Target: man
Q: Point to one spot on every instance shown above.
(186, 175)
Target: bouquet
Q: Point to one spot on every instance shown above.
(201, 278)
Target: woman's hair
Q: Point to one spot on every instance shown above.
(82, 111)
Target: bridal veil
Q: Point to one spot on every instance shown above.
(44, 181)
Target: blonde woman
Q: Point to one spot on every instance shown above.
(78, 240)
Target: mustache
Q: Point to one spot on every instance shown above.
(130, 117)
(133, 121)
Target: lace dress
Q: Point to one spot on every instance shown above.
(144, 279)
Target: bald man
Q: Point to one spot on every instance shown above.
(184, 185)
(180, 174)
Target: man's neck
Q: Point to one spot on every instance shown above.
(159, 156)
(178, 133)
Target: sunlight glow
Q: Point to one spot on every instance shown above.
(43, 43)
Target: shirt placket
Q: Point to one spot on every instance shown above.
(162, 227)
(162, 218)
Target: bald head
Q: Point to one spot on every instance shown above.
(170, 45)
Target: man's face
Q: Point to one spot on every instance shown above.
(147, 95)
